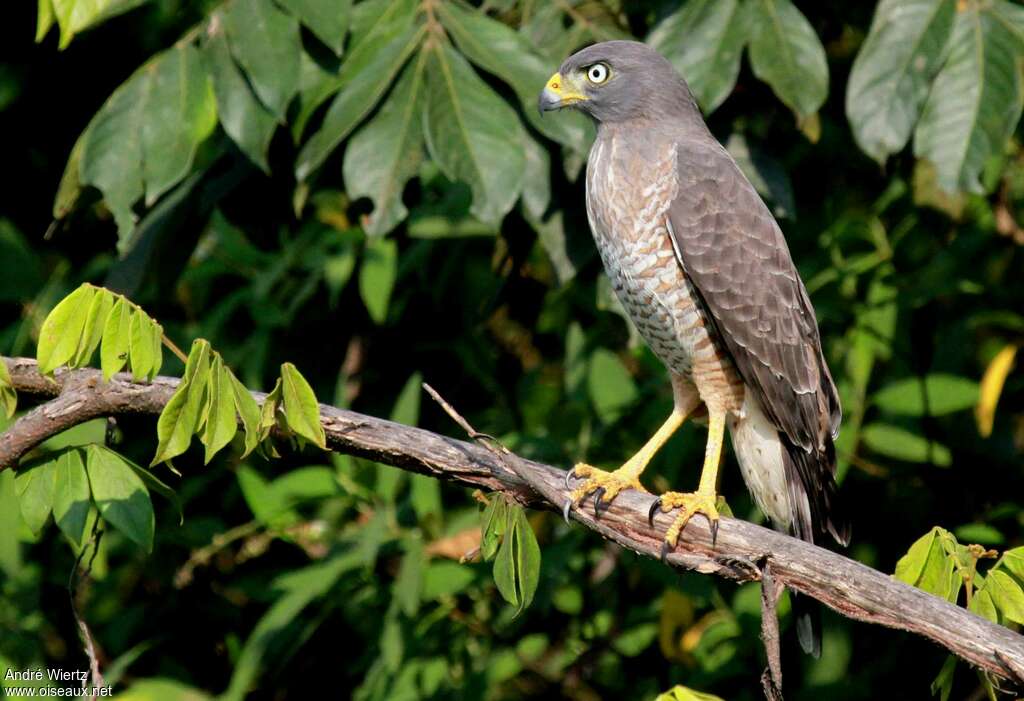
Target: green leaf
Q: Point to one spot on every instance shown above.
(374, 24)
(473, 135)
(377, 277)
(327, 19)
(942, 685)
(71, 494)
(92, 331)
(409, 582)
(508, 54)
(1013, 560)
(785, 53)
(265, 41)
(179, 113)
(300, 407)
(445, 579)
(365, 76)
(111, 158)
(1007, 595)
(268, 505)
(140, 345)
(44, 19)
(901, 444)
(247, 409)
(527, 558)
(493, 521)
(35, 485)
(893, 72)
(384, 154)
(62, 330)
(983, 605)
(180, 418)
(610, 385)
(711, 63)
(910, 566)
(505, 564)
(975, 102)
(8, 397)
(683, 693)
(75, 16)
(269, 409)
(537, 181)
(244, 118)
(116, 333)
(120, 495)
(936, 395)
(221, 425)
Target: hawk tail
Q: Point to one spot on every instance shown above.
(815, 511)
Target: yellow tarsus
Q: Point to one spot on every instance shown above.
(712, 454)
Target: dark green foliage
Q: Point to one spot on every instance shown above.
(365, 192)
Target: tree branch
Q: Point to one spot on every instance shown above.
(743, 550)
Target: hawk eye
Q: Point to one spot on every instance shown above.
(597, 74)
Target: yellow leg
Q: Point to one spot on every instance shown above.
(704, 500)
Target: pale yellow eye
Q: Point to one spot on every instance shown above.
(597, 74)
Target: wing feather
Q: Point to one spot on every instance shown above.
(735, 255)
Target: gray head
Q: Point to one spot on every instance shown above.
(615, 81)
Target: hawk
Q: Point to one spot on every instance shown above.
(703, 269)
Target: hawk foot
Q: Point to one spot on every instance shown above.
(605, 486)
(691, 504)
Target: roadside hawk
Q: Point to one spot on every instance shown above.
(701, 266)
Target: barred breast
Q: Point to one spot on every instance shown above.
(626, 210)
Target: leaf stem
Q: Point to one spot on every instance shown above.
(173, 348)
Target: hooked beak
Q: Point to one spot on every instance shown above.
(558, 93)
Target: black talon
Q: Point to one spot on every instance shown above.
(714, 532)
(664, 551)
(653, 510)
(565, 511)
(598, 493)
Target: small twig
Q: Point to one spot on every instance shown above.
(87, 640)
(174, 348)
(771, 679)
(485, 439)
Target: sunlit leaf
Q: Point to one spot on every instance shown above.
(992, 387)
(975, 102)
(8, 396)
(120, 495)
(527, 558)
(1007, 595)
(221, 425)
(683, 693)
(248, 410)
(92, 331)
(62, 330)
(473, 135)
(300, 406)
(493, 520)
(180, 418)
(114, 349)
(785, 52)
(910, 566)
(893, 71)
(75, 16)
(140, 345)
(711, 63)
(1013, 560)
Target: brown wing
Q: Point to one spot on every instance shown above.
(736, 257)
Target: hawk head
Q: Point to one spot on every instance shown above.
(616, 81)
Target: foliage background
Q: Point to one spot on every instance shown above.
(326, 569)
